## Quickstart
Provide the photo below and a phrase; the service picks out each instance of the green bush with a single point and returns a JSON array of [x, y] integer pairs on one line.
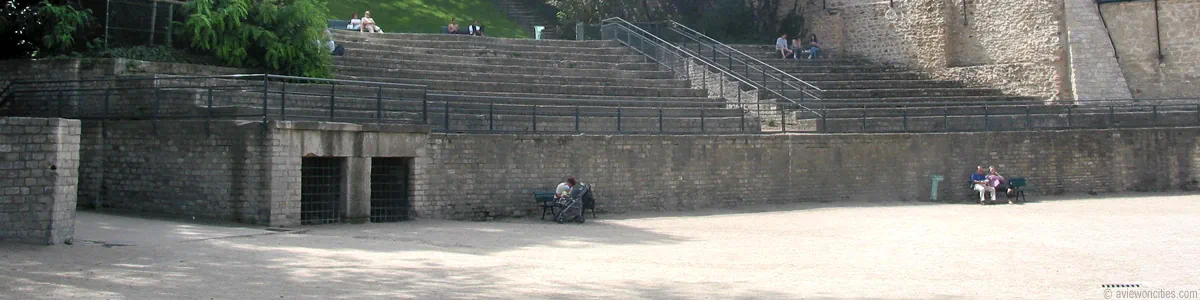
[[156, 53], [64, 27], [278, 35]]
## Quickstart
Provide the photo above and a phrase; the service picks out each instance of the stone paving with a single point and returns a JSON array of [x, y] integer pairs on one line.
[[1057, 248]]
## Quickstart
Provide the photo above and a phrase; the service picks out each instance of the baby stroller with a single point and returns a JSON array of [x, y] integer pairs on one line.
[[571, 208]]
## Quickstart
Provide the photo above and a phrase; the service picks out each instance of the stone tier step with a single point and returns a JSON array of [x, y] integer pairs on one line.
[[618, 58], [811, 77], [501, 61], [574, 97], [487, 86], [644, 71], [937, 101], [1010, 122], [462, 39], [884, 94], [886, 84], [416, 76], [465, 42]]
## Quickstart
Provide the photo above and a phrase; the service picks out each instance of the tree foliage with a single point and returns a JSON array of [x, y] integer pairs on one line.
[[726, 20], [64, 27], [280, 35], [39, 28]]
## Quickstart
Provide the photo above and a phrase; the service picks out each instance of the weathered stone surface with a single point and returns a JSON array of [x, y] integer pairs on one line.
[[1132, 25], [38, 176]]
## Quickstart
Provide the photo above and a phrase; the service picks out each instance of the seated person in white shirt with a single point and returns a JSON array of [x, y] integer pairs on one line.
[[564, 189], [355, 22], [475, 29]]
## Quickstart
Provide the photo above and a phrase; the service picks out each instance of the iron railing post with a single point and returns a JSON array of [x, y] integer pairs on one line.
[[1069, 110], [446, 115], [742, 126], [1197, 113], [945, 117], [535, 118], [1028, 118], [986, 116], [208, 113], [491, 114], [103, 121], [332, 101], [864, 118], [824, 124], [266, 86], [157, 104], [782, 118], [660, 119], [576, 118], [618, 119], [904, 110], [283, 101], [379, 105], [1112, 117], [701, 120], [1154, 109]]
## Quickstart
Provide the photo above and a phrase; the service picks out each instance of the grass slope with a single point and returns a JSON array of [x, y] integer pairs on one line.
[[428, 16]]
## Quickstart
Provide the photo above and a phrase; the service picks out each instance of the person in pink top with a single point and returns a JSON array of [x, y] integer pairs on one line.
[[995, 181]]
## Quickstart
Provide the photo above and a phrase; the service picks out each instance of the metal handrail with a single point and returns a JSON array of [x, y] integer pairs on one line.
[[763, 70], [4, 94], [616, 21], [773, 68]]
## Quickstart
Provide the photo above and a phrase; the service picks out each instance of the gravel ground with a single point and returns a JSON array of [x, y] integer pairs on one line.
[[1043, 250]]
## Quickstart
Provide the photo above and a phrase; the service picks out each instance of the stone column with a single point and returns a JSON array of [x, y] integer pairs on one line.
[[357, 198]]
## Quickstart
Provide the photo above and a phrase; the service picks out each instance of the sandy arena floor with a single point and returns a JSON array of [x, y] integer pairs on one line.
[[1042, 250]]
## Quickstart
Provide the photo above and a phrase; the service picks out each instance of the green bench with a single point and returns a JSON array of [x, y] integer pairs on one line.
[[545, 200]]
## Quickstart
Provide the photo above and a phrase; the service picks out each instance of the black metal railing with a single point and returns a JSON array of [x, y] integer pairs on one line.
[[5, 93], [735, 60], [270, 97], [680, 61]]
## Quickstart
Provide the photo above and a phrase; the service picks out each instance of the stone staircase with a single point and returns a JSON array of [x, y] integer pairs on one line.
[[527, 17], [500, 84], [854, 88]]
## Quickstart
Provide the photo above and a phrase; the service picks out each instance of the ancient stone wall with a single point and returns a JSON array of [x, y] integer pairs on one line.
[[1133, 24], [1013, 45], [39, 163], [638, 173], [1095, 73]]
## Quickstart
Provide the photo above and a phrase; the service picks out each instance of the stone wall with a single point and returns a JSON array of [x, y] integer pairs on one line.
[[637, 173], [39, 163], [1132, 25], [1013, 45], [1095, 73], [224, 170]]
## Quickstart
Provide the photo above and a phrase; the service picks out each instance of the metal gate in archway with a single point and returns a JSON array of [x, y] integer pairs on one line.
[[390, 189], [320, 190]]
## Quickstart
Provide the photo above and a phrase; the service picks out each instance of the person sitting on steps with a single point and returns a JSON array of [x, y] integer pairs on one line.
[[355, 23], [368, 24], [781, 44], [475, 29], [814, 47], [797, 48], [452, 28]]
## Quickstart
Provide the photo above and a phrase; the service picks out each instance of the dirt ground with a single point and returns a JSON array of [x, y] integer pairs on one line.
[[1052, 249]]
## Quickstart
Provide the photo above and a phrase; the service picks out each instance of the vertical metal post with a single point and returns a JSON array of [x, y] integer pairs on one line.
[[782, 119], [107, 16], [425, 111], [1157, 32], [208, 114], [446, 114], [1155, 111], [1069, 109], [61, 105], [742, 126], [986, 116], [824, 125], [266, 86], [945, 117], [379, 105], [576, 118], [535, 118], [332, 102], [283, 101], [491, 114], [660, 119], [1197, 113], [170, 17], [1112, 118], [157, 104], [103, 122], [1028, 118], [701, 120], [618, 119], [153, 20], [864, 118], [904, 110]]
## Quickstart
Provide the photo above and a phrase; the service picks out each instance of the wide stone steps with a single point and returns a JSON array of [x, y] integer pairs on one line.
[[485, 86], [610, 98], [810, 77], [886, 84], [1096, 118], [644, 71], [464, 42], [502, 61], [463, 39], [416, 76], [883, 94], [618, 58]]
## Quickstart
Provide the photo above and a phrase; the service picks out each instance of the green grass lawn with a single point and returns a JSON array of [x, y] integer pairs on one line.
[[428, 16]]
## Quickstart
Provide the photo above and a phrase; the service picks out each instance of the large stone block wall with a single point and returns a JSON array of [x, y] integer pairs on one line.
[[634, 173], [1013, 45], [1132, 25], [1095, 73], [39, 163]]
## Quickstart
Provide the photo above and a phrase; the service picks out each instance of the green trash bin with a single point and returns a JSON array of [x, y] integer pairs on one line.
[[933, 191], [537, 32]]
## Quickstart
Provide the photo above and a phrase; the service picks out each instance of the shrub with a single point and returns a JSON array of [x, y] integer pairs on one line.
[[279, 35]]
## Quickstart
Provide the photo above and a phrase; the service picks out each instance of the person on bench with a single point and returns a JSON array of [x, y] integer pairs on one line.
[[355, 23], [980, 180], [564, 189], [781, 44], [368, 24], [475, 29], [996, 182], [452, 28]]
